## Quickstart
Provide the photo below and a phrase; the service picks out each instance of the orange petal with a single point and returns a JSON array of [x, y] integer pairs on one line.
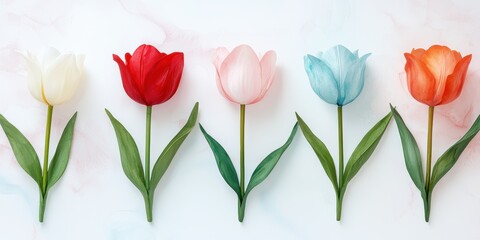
[[421, 82], [441, 61], [455, 81], [418, 53]]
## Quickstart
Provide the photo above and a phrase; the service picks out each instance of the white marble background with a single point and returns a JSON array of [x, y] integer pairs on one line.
[[94, 200]]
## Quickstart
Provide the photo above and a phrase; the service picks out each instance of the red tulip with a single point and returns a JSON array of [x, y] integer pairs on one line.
[[150, 77], [436, 76]]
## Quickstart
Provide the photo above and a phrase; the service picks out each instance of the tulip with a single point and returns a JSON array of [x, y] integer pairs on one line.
[[150, 77], [241, 77], [337, 76], [244, 79], [54, 80], [435, 77]]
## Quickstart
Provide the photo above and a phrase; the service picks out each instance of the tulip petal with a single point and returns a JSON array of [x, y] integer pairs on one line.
[[421, 83], [354, 81], [339, 59], [163, 79], [141, 62], [441, 61], [267, 65], [418, 53], [34, 76], [73, 77], [49, 54], [55, 78], [455, 81], [128, 83], [240, 75], [321, 79], [220, 55]]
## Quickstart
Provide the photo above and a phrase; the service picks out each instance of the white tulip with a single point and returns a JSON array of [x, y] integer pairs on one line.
[[55, 79]]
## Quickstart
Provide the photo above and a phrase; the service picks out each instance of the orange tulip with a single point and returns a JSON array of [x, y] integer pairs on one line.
[[436, 76]]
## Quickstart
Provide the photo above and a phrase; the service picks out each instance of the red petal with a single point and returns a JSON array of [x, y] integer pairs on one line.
[[128, 84], [163, 79], [421, 82], [455, 81]]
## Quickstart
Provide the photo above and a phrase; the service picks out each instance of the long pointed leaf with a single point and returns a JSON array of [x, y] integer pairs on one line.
[[266, 166], [171, 149], [411, 153], [321, 151], [129, 155], [62, 154], [364, 150], [450, 157], [224, 163], [23, 151]]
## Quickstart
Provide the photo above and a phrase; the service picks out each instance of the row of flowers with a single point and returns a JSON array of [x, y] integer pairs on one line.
[[434, 77]]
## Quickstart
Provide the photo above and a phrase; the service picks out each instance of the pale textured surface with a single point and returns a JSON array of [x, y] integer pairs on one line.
[[94, 200]]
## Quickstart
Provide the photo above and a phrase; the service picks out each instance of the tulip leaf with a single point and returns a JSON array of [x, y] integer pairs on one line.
[[411, 153], [60, 159], [266, 166], [224, 163], [23, 151], [321, 151], [450, 157], [364, 150], [129, 155], [171, 149]]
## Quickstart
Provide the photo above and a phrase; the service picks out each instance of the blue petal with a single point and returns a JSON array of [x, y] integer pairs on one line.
[[339, 59], [354, 81], [321, 79]]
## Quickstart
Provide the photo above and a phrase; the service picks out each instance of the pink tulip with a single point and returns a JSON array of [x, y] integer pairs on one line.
[[241, 77]]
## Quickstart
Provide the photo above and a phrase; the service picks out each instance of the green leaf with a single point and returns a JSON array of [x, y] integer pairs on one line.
[[266, 166], [60, 159], [131, 163], [411, 153], [171, 149], [23, 151], [450, 157], [224, 163], [321, 151], [364, 150]]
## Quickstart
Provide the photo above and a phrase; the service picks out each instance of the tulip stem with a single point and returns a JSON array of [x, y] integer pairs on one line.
[[340, 161], [242, 161], [429, 156], [45, 162], [147, 146]]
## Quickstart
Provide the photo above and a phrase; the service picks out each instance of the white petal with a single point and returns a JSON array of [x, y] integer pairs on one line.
[[34, 76], [55, 78]]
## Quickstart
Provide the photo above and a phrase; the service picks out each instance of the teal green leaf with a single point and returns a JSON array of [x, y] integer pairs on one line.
[[23, 151], [411, 153], [129, 156], [450, 157], [171, 149], [321, 151], [364, 150], [224, 163], [266, 166], [62, 154]]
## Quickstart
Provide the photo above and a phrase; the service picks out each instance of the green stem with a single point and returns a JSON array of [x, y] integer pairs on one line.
[[429, 162], [148, 207], [340, 161], [43, 190], [242, 163], [147, 145]]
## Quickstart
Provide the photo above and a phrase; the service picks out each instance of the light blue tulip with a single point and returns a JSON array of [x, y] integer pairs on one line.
[[337, 76]]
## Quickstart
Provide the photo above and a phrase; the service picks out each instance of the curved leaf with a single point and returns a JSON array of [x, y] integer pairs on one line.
[[224, 163], [321, 151], [364, 150], [266, 166], [60, 159], [23, 151], [450, 157], [131, 163], [171, 149], [411, 153]]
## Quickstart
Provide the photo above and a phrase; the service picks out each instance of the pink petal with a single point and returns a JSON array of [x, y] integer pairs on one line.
[[267, 65]]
